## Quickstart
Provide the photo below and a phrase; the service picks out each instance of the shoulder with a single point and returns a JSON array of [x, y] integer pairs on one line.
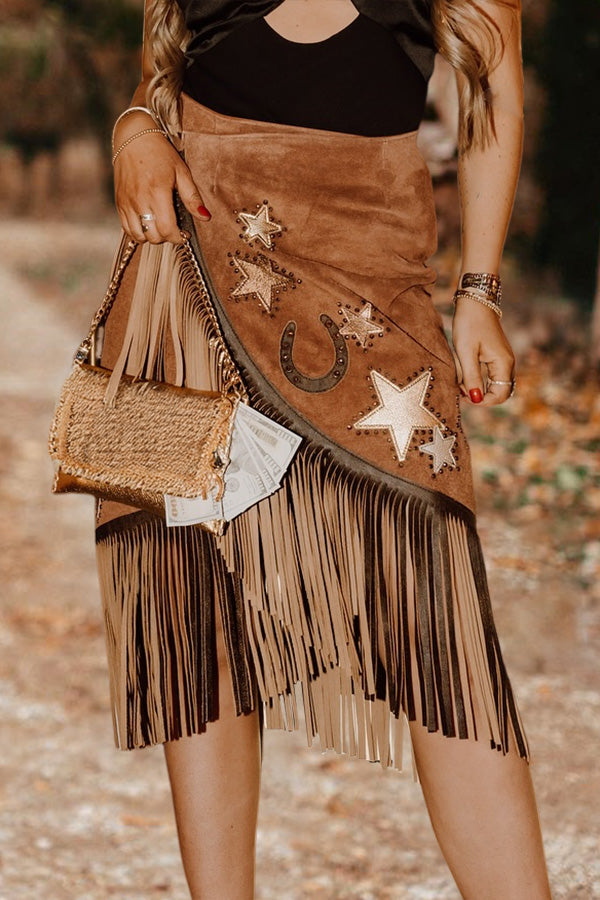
[[410, 22]]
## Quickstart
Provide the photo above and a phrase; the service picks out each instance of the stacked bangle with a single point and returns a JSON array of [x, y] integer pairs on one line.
[[483, 287], [127, 112], [489, 284], [135, 136]]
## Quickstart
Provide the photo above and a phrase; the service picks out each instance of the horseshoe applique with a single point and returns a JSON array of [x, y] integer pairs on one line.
[[305, 382]]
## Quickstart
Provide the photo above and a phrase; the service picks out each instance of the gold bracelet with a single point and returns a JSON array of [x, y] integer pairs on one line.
[[137, 135], [480, 298], [127, 112]]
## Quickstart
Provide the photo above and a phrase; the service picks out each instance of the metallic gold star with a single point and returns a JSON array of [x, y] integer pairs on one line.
[[260, 279], [401, 410], [360, 326], [440, 449], [260, 226]]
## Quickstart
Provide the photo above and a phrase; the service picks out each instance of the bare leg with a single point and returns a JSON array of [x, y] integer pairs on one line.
[[215, 782], [483, 811]]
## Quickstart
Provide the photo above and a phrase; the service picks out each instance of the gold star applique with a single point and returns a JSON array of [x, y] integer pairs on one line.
[[260, 226], [440, 449], [401, 410], [259, 278], [360, 326]]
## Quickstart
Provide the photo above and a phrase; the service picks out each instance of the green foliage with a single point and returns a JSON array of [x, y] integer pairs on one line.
[[105, 21]]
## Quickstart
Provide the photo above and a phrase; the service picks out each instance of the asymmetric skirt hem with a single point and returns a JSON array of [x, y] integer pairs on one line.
[[358, 588]]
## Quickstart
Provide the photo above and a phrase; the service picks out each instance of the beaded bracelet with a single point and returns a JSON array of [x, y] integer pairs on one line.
[[127, 112], [137, 135], [480, 298]]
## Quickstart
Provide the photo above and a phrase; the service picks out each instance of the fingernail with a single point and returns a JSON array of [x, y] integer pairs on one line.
[[476, 395], [203, 212]]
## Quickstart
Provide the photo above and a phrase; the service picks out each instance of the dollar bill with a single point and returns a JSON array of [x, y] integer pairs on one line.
[[261, 451]]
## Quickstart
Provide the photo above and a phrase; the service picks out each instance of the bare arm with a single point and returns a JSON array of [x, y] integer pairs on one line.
[[149, 169], [487, 182]]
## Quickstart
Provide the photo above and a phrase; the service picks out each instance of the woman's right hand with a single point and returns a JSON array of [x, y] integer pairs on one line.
[[147, 171]]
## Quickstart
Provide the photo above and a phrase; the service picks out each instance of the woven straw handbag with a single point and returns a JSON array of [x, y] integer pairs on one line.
[[133, 440]]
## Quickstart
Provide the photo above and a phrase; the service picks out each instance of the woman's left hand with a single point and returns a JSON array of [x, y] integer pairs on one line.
[[478, 338]]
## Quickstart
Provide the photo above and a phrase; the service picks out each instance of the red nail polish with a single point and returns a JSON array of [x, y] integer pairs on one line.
[[202, 211], [476, 395]]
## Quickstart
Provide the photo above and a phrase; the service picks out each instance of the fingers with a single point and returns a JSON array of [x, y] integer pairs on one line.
[[163, 226], [155, 221], [500, 382], [496, 388], [190, 195], [472, 381], [132, 225]]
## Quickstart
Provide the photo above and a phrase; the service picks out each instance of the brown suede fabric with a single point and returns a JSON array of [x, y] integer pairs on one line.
[[358, 227]]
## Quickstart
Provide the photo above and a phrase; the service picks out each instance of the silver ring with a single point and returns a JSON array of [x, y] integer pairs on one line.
[[147, 217], [512, 383]]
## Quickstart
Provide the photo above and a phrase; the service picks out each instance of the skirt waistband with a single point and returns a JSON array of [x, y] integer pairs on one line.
[[197, 117]]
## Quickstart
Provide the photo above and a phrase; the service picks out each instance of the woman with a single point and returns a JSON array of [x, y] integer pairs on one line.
[[361, 579]]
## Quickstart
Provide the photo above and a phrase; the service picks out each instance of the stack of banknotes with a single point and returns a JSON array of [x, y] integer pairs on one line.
[[261, 451]]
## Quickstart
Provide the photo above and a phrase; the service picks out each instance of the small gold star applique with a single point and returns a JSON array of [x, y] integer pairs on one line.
[[440, 450], [259, 225], [401, 410], [360, 326], [259, 278]]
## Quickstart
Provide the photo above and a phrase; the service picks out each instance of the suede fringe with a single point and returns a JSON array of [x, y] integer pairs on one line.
[[374, 603], [377, 604], [158, 588], [368, 600], [169, 336]]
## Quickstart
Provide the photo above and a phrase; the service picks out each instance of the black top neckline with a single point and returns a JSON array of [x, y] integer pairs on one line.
[[342, 33], [409, 21], [356, 81]]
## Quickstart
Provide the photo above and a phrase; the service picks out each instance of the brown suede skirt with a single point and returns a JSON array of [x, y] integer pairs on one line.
[[359, 586]]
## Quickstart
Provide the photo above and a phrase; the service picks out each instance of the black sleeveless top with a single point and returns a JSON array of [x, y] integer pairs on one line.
[[370, 78]]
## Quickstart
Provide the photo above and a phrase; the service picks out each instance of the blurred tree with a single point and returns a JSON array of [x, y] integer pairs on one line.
[[67, 67], [566, 55]]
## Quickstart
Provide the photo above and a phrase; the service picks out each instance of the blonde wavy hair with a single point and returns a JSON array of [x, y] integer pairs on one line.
[[452, 21]]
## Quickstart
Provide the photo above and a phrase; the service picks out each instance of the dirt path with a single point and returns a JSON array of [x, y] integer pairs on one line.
[[82, 821]]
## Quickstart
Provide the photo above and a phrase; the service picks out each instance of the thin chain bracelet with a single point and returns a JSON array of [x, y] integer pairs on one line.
[[480, 299], [137, 135]]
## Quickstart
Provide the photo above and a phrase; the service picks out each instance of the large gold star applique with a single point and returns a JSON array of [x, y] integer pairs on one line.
[[401, 410], [258, 225], [360, 326], [259, 278], [440, 450]]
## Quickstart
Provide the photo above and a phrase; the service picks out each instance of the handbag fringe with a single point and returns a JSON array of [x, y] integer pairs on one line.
[[368, 598], [169, 335]]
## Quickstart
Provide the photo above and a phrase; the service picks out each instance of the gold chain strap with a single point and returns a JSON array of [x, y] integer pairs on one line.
[[105, 307], [232, 380]]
